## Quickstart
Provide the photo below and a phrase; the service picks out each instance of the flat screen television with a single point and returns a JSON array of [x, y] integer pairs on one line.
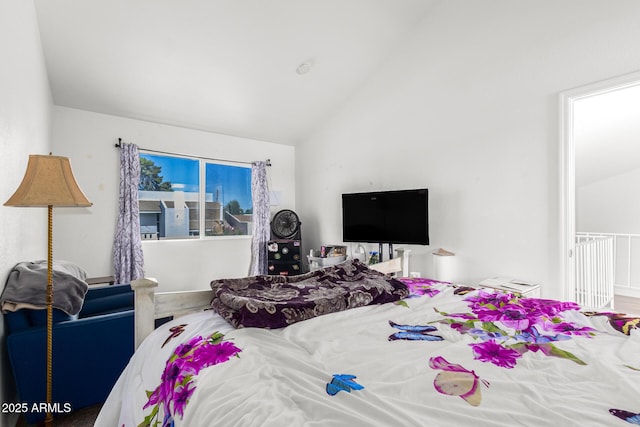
[[400, 216]]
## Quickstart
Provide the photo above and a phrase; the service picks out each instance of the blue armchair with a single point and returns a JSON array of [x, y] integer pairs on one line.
[[90, 350]]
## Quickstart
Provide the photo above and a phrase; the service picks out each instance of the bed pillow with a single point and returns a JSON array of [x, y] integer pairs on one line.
[[278, 301]]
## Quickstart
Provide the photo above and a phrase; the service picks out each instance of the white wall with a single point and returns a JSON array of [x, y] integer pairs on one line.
[[468, 107], [25, 123], [607, 157], [86, 235], [610, 205]]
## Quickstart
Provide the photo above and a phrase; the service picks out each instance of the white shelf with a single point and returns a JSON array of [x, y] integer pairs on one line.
[[316, 263], [519, 287]]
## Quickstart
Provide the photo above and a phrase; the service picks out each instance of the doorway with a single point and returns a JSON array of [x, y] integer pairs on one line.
[[569, 103]]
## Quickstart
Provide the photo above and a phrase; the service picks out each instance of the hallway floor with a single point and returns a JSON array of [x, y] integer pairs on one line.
[[627, 305]]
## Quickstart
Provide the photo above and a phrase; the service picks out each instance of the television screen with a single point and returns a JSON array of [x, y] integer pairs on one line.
[[386, 217]]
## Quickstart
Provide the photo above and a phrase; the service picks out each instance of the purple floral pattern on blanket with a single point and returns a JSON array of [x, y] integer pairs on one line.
[[170, 398], [506, 327], [278, 301], [419, 286]]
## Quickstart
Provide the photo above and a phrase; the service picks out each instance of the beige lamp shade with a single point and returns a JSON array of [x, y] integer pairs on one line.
[[48, 181]]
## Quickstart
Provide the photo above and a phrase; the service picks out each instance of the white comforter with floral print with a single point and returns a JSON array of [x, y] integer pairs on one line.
[[447, 356]]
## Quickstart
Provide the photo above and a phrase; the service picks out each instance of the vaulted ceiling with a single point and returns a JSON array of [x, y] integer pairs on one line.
[[226, 66], [607, 135]]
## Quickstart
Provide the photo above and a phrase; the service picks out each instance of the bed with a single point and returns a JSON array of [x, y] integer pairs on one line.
[[439, 354]]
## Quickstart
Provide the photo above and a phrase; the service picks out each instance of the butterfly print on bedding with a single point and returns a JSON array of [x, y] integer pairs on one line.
[[462, 290], [342, 382], [455, 380], [414, 332], [630, 417], [619, 321], [175, 331]]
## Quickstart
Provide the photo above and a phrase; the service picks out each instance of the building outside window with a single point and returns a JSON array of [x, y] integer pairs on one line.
[[176, 192]]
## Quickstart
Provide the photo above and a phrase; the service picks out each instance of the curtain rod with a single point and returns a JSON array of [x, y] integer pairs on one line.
[[119, 144]]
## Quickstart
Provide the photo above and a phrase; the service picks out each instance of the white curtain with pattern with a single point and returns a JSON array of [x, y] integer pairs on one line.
[[128, 260], [260, 196]]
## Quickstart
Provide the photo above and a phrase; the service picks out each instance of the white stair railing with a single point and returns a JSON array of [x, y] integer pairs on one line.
[[626, 263], [595, 271]]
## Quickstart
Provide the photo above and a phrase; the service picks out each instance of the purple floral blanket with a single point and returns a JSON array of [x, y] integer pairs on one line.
[[446, 355], [277, 301]]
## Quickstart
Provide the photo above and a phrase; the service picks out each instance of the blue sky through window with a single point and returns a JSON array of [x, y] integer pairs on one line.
[[177, 170], [231, 182]]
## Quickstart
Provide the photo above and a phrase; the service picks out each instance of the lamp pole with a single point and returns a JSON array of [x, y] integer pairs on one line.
[[48, 420]]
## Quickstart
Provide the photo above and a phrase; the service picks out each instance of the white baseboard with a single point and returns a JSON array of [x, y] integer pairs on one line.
[[626, 291]]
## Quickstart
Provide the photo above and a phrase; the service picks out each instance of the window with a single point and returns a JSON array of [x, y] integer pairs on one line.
[[229, 207], [176, 192]]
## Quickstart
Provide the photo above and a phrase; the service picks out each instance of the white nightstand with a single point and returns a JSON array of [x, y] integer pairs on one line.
[[515, 286]]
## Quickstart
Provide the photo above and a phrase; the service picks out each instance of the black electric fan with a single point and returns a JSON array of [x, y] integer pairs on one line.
[[286, 225]]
